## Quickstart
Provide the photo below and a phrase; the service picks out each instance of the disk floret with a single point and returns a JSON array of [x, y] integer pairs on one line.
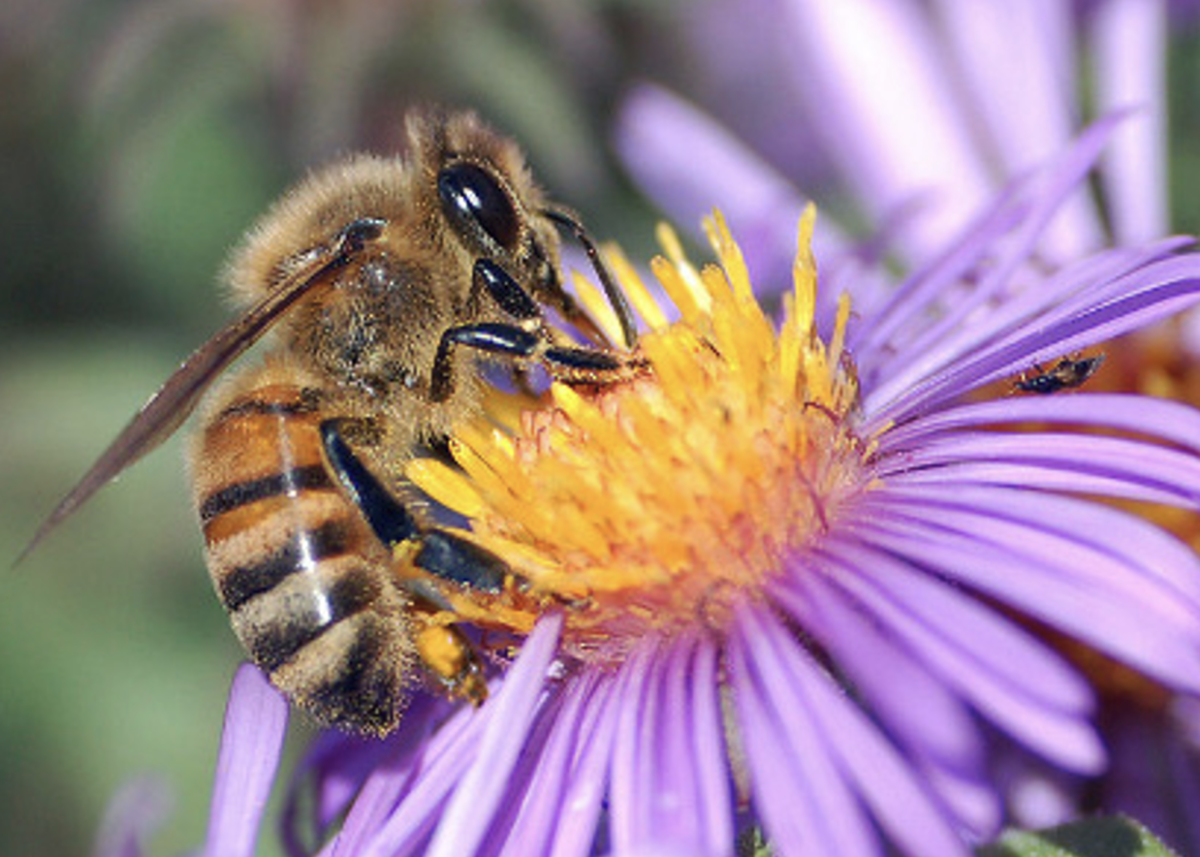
[[656, 505]]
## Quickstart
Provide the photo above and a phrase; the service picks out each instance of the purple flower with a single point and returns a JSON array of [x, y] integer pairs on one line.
[[786, 579], [912, 113], [133, 814], [915, 111]]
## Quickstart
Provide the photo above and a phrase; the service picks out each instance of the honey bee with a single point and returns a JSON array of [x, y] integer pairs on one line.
[[1067, 373], [388, 281]]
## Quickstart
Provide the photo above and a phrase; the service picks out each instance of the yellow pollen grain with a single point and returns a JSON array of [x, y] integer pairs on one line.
[[804, 270], [600, 429], [732, 260], [507, 409], [480, 434], [482, 470], [837, 342], [678, 291], [676, 360], [790, 348]]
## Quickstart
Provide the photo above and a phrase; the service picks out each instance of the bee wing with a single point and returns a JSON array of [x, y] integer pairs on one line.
[[167, 409]]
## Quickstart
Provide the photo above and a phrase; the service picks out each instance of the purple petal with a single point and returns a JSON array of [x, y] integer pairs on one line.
[[761, 206], [1129, 42], [1160, 418], [1036, 199], [586, 787], [879, 65], [1040, 475], [969, 347], [630, 769], [255, 724], [707, 731], [1044, 708], [660, 796], [958, 634], [1158, 468], [1155, 292], [337, 765], [927, 719], [536, 818], [520, 779], [1122, 551], [1017, 61], [929, 284], [509, 715], [884, 782], [1029, 577], [402, 800], [805, 803], [137, 809], [1019, 66], [999, 243]]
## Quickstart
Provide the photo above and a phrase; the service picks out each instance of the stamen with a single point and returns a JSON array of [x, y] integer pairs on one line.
[[658, 504]]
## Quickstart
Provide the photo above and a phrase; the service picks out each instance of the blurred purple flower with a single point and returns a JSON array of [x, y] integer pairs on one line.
[[839, 655], [919, 111], [133, 814], [1163, 745]]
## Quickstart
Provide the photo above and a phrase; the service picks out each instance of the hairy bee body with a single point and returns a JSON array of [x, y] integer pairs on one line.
[[302, 575], [387, 281]]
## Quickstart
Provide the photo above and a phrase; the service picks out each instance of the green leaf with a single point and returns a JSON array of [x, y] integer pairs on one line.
[[1116, 836]]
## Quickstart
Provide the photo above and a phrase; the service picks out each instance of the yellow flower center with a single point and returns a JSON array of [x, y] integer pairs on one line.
[[654, 505]]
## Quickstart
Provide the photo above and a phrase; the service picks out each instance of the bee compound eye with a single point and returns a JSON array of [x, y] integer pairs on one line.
[[471, 195]]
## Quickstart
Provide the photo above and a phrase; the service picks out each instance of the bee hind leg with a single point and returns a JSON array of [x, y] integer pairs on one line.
[[387, 516], [437, 551], [451, 660], [447, 654]]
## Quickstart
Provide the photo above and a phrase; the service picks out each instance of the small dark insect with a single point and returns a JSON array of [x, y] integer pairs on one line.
[[1066, 374]]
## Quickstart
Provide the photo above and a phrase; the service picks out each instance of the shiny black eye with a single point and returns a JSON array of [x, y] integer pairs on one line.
[[472, 198]]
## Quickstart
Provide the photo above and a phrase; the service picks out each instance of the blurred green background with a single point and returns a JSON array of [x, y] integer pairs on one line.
[[137, 141]]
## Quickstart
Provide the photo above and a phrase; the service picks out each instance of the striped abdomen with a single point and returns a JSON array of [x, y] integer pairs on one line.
[[304, 579]]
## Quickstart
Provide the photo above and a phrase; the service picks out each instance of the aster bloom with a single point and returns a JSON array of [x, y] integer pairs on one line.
[[937, 105], [786, 576]]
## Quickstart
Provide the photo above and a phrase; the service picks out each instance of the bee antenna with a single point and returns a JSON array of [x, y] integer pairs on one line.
[[616, 297]]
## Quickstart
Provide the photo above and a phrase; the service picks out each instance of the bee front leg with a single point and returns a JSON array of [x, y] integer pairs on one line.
[[584, 365], [509, 295]]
